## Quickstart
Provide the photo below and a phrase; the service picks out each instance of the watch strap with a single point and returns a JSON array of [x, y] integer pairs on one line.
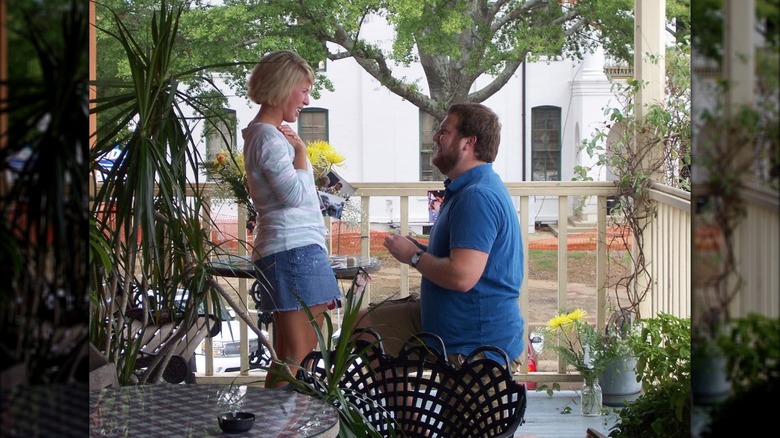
[[416, 258]]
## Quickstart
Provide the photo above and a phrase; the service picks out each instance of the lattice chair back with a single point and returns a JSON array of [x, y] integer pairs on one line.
[[421, 394]]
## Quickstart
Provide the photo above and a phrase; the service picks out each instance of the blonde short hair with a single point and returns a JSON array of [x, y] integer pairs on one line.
[[274, 77]]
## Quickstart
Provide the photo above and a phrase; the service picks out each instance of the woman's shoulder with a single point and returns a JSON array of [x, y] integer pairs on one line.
[[260, 129], [262, 134]]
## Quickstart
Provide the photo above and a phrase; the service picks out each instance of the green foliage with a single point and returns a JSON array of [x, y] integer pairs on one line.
[[708, 16], [753, 350], [663, 352], [456, 42], [641, 148], [43, 205], [146, 209], [652, 415]]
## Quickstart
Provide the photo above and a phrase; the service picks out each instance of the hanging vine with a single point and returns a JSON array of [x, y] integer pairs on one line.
[[639, 152]]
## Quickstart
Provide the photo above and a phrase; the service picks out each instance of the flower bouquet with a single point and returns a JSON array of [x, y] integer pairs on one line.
[[323, 157], [227, 169], [332, 189]]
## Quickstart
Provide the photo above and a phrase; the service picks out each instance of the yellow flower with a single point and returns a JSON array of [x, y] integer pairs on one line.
[[577, 315], [559, 321], [323, 156]]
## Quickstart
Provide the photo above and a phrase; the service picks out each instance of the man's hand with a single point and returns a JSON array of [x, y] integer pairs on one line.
[[401, 247]]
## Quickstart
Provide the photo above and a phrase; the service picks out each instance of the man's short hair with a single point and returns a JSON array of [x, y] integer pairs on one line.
[[480, 121]]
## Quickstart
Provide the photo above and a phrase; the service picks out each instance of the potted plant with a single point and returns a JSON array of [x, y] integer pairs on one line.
[[640, 147], [720, 212], [663, 351], [753, 368], [146, 230], [620, 382]]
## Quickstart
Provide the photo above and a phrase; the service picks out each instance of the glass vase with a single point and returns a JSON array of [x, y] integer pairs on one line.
[[590, 398]]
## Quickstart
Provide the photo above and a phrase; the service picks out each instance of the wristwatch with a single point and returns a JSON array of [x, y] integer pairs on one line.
[[416, 258]]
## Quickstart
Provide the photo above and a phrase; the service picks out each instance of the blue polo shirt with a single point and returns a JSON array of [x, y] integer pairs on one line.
[[477, 213]]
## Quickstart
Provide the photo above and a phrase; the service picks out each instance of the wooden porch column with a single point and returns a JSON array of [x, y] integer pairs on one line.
[[739, 66], [649, 52], [739, 72], [739, 62], [649, 70]]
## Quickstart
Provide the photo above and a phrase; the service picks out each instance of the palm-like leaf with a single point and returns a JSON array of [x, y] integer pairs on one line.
[[43, 252], [147, 209]]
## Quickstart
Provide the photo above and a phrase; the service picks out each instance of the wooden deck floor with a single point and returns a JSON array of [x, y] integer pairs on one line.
[[544, 417]]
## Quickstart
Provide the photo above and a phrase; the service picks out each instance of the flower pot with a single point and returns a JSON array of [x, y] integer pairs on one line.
[[618, 382], [709, 379]]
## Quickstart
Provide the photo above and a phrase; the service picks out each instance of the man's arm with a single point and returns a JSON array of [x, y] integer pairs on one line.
[[460, 271]]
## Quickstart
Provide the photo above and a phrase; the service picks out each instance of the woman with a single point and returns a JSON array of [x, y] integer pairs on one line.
[[289, 246]]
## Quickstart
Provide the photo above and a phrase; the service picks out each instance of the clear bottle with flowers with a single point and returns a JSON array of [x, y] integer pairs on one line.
[[580, 345]]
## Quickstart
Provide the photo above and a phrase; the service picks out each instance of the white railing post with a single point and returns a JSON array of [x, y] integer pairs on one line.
[[365, 241], [243, 294]]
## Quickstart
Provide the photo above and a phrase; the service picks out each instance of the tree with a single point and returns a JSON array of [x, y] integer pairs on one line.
[[455, 41]]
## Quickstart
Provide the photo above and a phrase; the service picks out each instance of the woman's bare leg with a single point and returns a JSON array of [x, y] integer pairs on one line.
[[294, 338]]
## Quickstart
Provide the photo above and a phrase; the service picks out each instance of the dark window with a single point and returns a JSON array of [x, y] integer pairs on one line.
[[546, 143], [313, 124], [428, 126]]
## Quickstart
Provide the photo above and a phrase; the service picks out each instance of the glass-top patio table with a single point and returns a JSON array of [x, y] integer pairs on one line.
[[229, 265], [192, 411], [53, 410]]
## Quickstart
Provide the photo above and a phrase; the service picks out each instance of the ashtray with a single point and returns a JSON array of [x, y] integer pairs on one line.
[[236, 422]]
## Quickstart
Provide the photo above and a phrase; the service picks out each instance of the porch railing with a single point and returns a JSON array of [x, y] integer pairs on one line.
[[758, 253], [668, 241]]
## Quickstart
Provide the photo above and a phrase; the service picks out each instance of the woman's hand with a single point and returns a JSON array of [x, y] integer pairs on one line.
[[292, 136], [301, 159]]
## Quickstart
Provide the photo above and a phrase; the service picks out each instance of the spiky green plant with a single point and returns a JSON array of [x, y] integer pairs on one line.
[[148, 210], [43, 212]]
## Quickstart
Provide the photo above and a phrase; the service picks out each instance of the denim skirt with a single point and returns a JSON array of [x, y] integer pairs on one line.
[[302, 273]]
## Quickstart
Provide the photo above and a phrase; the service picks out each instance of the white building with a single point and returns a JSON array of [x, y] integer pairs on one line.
[[546, 109]]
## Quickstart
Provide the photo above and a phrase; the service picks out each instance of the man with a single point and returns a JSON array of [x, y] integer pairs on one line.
[[472, 268]]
